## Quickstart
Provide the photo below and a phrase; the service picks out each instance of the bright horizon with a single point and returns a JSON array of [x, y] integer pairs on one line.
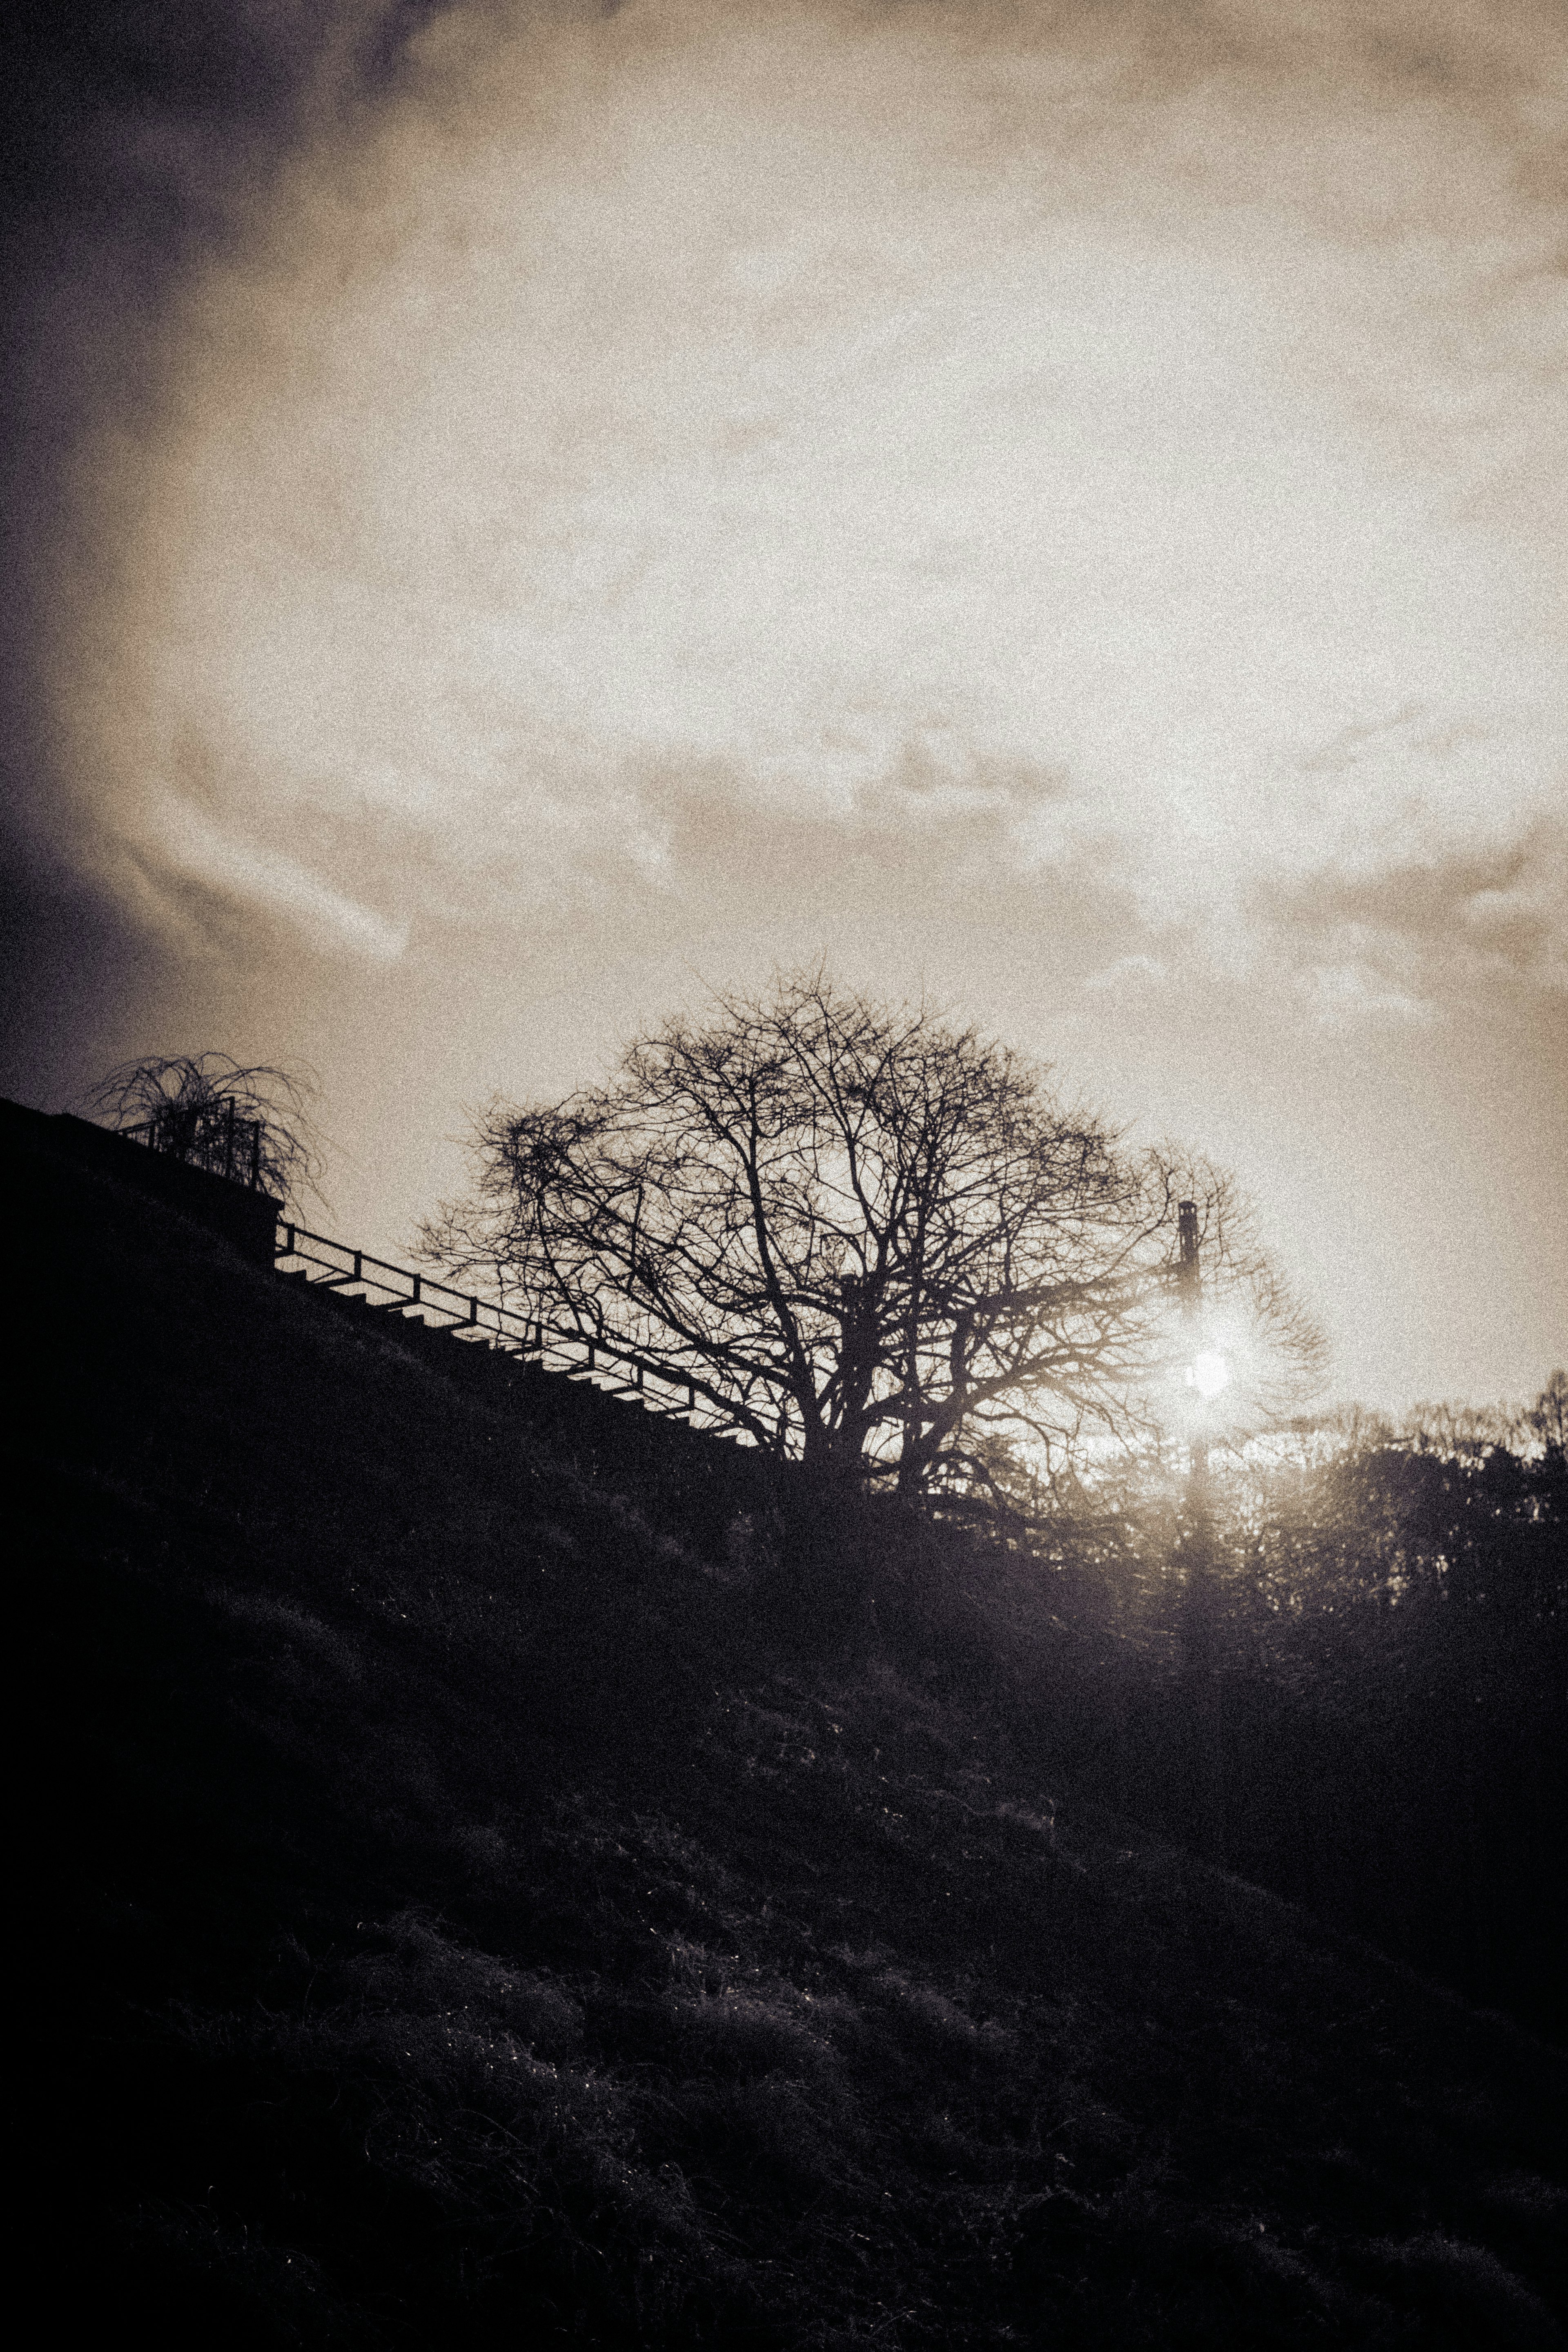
[[530, 519]]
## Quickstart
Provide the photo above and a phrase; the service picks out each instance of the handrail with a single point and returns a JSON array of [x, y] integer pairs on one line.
[[446, 1307], [215, 1158]]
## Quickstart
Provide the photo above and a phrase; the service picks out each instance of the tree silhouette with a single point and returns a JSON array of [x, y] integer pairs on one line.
[[864, 1237], [1547, 1418], [252, 1124]]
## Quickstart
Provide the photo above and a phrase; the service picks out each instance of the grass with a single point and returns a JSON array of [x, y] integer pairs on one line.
[[479, 1914]]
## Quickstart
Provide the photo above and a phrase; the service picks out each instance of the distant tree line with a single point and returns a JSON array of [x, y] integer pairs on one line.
[[1391, 1655]]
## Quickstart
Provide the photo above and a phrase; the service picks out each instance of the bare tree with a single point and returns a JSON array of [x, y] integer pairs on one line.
[[863, 1236], [251, 1124]]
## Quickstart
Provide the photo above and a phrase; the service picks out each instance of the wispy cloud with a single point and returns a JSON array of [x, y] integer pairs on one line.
[[1409, 936], [189, 846]]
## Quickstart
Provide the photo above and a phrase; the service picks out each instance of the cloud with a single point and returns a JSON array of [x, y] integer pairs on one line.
[[1116, 443], [1405, 938], [190, 847]]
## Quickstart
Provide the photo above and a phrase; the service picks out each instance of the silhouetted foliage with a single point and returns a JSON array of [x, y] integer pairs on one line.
[[1547, 1419], [253, 1123], [1389, 1619], [866, 1238]]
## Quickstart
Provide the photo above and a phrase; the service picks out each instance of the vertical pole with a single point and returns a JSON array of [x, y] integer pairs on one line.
[[1199, 1665]]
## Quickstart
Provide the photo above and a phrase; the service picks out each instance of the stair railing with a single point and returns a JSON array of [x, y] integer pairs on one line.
[[613, 1366]]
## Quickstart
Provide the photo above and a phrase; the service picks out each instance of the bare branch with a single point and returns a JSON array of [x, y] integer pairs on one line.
[[190, 1106], [867, 1236]]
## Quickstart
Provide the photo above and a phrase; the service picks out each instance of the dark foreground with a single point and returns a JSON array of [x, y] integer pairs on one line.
[[479, 1914]]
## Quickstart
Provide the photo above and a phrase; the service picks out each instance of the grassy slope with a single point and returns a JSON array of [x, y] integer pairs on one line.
[[467, 1930]]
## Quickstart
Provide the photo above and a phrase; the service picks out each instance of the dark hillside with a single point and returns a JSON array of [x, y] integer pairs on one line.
[[479, 1914]]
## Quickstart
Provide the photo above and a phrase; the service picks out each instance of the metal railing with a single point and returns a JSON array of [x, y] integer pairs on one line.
[[614, 1367], [224, 1145]]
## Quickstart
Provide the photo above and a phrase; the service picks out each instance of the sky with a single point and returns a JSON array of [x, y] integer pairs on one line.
[[522, 517]]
